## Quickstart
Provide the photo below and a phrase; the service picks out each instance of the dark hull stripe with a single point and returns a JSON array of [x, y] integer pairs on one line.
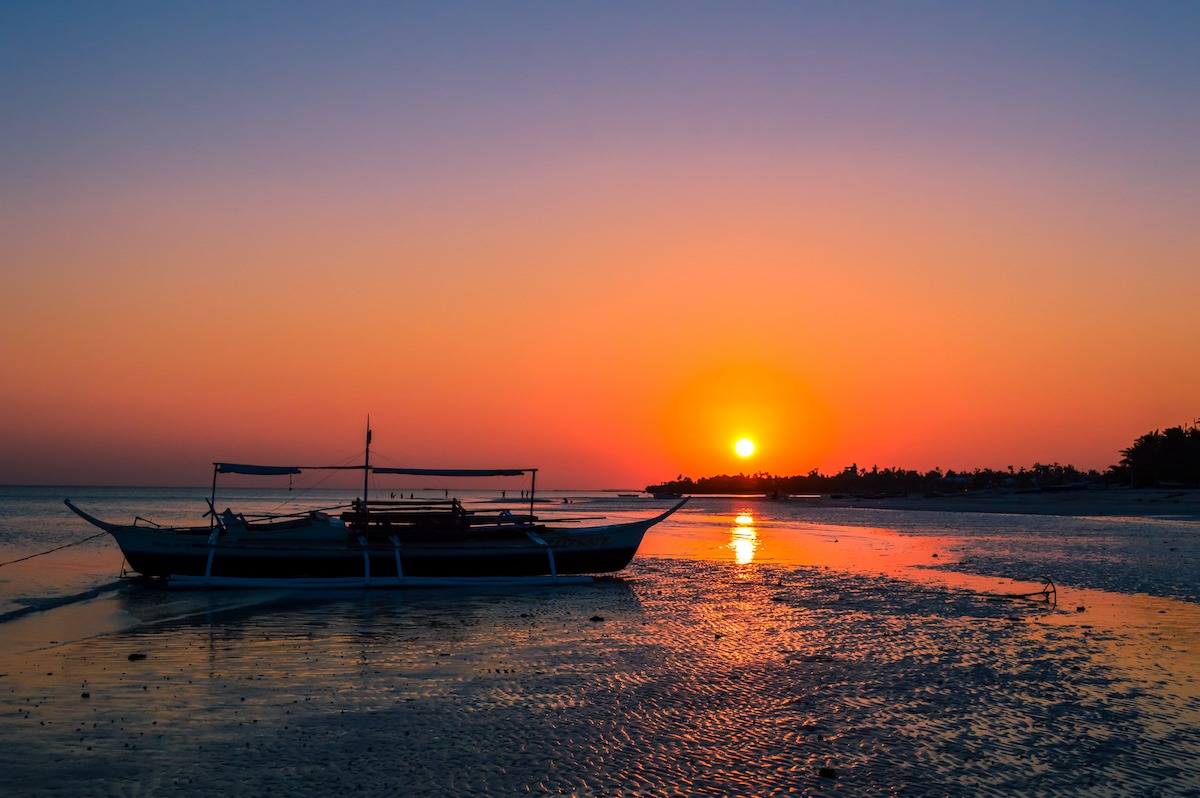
[[351, 564]]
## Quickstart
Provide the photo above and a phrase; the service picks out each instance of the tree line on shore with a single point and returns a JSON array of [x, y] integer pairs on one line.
[[1170, 458]]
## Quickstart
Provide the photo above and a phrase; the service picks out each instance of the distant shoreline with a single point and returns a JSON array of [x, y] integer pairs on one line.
[[1112, 502], [1175, 503]]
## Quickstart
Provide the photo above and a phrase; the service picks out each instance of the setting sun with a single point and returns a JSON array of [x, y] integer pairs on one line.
[[744, 447]]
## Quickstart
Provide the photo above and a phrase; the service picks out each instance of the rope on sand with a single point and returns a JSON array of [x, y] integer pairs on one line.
[[1048, 594], [56, 548]]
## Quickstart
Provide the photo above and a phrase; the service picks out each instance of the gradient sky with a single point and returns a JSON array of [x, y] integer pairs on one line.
[[606, 239]]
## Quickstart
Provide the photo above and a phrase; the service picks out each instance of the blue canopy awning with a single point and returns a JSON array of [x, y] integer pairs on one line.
[[266, 471], [456, 472], [257, 470]]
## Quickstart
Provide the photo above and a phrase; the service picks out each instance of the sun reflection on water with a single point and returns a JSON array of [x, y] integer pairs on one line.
[[743, 538]]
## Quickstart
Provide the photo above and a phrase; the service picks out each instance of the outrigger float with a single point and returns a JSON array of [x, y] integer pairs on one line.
[[374, 543]]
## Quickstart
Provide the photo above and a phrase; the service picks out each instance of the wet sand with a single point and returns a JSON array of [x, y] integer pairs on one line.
[[1112, 502], [683, 677]]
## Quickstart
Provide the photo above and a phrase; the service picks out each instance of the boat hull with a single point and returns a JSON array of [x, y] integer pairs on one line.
[[324, 549], [318, 562]]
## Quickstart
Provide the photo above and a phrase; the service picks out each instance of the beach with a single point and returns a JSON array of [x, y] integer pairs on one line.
[[1123, 502], [753, 648]]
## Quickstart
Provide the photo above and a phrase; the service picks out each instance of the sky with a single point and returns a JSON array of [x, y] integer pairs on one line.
[[605, 239]]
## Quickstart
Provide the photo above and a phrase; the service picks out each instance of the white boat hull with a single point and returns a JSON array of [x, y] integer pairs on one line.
[[324, 550]]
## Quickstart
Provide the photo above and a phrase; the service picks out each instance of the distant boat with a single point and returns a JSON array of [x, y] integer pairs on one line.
[[629, 495], [664, 495], [374, 543]]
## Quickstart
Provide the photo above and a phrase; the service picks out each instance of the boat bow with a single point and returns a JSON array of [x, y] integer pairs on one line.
[[91, 519]]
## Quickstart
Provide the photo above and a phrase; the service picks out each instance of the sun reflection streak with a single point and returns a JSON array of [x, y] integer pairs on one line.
[[743, 538]]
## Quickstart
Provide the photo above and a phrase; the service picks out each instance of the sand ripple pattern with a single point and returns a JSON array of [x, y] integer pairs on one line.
[[682, 679]]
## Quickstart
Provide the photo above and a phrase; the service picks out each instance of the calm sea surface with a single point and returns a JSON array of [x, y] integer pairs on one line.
[[1121, 555]]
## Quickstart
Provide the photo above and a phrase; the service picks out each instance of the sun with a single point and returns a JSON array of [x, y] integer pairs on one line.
[[744, 447]]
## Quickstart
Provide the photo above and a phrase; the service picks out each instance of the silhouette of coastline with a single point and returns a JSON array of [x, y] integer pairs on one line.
[[1168, 459]]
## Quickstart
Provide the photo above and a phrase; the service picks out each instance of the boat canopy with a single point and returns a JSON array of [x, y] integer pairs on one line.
[[267, 471], [367, 469], [258, 470], [456, 472]]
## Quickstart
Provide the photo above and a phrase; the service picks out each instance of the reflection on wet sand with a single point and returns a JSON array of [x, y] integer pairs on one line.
[[743, 538], [686, 677], [745, 535]]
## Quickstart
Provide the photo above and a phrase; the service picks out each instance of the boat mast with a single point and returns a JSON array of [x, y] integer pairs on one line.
[[367, 465], [212, 501]]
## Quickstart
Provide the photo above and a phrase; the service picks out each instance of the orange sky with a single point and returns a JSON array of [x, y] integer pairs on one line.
[[604, 244]]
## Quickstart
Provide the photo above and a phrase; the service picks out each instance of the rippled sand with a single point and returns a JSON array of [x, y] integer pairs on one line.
[[683, 678]]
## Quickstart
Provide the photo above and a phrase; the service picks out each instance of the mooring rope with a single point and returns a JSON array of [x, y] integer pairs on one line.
[[1048, 593], [56, 548]]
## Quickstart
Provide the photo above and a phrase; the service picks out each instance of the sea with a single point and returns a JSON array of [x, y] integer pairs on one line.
[[753, 647], [51, 555]]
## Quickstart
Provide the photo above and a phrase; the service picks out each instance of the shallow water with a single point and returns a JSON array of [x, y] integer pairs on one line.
[[749, 646]]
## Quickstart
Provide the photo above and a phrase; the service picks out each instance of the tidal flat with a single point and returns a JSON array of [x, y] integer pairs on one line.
[[752, 649]]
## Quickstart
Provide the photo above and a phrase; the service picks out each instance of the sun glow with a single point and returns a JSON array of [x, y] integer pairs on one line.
[[704, 416], [744, 447]]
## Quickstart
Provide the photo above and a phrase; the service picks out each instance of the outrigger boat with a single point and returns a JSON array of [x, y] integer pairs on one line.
[[374, 543]]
